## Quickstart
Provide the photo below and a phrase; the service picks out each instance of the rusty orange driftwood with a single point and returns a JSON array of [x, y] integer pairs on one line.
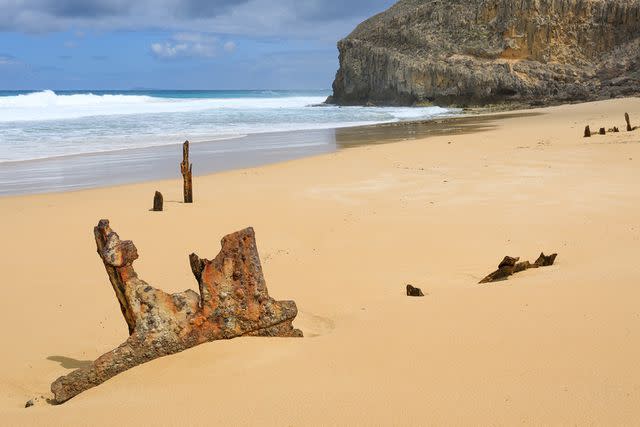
[[233, 301]]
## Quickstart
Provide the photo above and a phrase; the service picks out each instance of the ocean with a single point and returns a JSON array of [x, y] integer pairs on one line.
[[46, 124]]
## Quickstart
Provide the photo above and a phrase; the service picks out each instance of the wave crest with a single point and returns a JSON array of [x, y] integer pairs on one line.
[[47, 105]]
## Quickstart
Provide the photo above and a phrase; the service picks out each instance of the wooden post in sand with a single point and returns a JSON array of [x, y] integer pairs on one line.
[[158, 201], [602, 131], [587, 132], [185, 168], [626, 118]]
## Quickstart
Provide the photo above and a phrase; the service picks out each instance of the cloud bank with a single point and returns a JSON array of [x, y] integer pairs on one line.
[[247, 17]]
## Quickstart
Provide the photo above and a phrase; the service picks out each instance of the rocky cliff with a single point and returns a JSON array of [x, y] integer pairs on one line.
[[479, 52]]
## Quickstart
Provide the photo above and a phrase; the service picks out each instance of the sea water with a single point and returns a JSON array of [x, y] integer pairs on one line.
[[50, 124]]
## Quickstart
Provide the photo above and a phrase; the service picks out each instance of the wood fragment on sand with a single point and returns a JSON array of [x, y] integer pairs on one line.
[[414, 292], [158, 202], [186, 169], [510, 266]]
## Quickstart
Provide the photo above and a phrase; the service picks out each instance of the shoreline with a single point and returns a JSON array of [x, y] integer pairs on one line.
[[139, 165]]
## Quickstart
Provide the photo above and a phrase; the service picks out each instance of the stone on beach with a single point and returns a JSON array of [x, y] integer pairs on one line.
[[414, 292]]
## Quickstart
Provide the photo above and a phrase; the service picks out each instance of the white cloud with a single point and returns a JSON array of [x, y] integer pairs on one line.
[[316, 18], [230, 47], [190, 45], [168, 50], [7, 60]]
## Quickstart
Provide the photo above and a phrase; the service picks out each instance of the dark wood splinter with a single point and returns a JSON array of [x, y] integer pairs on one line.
[[626, 118], [158, 202], [186, 169], [510, 266]]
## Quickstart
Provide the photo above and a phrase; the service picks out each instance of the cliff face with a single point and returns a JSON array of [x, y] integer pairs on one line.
[[476, 52]]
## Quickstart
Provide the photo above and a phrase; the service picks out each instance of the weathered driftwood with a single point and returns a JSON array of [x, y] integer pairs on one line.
[[626, 118], [233, 301], [614, 129], [186, 170], [414, 292], [510, 265], [587, 132], [602, 131], [158, 201]]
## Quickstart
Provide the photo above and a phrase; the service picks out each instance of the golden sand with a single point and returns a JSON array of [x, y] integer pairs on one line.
[[342, 234]]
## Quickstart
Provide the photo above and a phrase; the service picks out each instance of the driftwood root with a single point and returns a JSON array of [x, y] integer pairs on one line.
[[233, 302]]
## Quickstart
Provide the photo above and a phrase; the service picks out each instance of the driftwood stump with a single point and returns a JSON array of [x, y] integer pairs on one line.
[[602, 131], [587, 132], [158, 201], [510, 265], [186, 169], [233, 302], [626, 118]]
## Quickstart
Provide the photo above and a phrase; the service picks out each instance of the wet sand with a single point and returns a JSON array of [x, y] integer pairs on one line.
[[153, 163]]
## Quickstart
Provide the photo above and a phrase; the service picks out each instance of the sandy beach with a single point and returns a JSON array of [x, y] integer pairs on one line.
[[342, 234]]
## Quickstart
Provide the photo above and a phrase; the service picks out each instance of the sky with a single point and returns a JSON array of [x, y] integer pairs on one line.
[[175, 44]]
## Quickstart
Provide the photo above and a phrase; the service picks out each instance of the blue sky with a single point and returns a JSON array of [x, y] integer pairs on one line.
[[175, 44]]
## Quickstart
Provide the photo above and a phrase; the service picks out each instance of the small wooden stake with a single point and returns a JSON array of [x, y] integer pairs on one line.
[[602, 131], [626, 117], [587, 132], [186, 168], [157, 202]]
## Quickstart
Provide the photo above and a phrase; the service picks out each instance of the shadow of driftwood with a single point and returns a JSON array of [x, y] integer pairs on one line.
[[69, 363]]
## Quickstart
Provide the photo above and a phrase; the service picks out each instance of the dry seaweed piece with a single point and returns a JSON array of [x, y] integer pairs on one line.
[[510, 266], [233, 302]]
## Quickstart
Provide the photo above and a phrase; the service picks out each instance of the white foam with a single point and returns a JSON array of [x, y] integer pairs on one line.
[[45, 124], [47, 105], [417, 113]]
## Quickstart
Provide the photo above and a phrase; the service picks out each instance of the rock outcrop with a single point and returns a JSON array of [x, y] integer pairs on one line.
[[233, 301], [479, 52]]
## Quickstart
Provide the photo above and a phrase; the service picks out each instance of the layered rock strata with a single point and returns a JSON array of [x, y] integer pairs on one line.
[[479, 52]]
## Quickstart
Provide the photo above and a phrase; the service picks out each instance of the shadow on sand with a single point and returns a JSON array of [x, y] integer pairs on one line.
[[69, 363]]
